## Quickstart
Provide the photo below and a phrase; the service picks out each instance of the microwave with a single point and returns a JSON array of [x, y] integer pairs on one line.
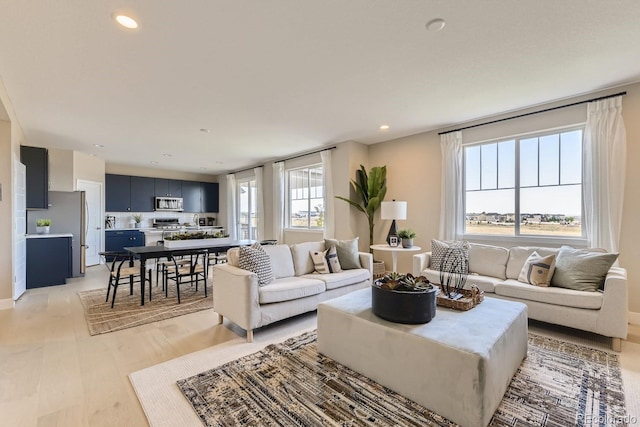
[[174, 204]]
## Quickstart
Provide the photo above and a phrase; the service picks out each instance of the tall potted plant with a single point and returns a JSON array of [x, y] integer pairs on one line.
[[370, 189]]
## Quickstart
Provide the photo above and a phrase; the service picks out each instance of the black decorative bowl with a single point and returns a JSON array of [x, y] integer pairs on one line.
[[404, 306]]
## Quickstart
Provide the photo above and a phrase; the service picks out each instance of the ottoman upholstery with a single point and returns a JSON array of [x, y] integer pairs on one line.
[[459, 365]]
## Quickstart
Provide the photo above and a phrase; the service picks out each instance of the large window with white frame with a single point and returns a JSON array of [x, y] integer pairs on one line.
[[247, 209], [305, 204], [530, 185]]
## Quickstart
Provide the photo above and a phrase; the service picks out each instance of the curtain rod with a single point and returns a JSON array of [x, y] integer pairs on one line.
[[288, 158], [305, 154], [247, 169], [534, 112]]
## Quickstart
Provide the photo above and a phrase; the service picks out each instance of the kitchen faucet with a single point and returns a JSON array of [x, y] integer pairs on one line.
[[196, 220]]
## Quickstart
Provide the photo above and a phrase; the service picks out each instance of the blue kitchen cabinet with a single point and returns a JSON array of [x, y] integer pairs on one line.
[[210, 196], [142, 194], [48, 261], [191, 196], [118, 193], [117, 240]]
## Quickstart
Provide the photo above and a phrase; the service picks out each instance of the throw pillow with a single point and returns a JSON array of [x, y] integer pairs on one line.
[[319, 262], [331, 255], [347, 252], [581, 270], [450, 256], [538, 270], [255, 259]]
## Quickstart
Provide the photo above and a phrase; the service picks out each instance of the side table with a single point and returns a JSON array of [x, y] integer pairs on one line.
[[394, 252]]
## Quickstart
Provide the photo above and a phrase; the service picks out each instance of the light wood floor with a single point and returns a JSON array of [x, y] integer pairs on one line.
[[53, 373]]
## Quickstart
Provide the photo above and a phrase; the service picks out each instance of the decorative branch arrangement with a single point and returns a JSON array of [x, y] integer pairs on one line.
[[453, 272]]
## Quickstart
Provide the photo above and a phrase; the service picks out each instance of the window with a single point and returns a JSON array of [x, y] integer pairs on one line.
[[247, 217], [305, 207], [531, 185]]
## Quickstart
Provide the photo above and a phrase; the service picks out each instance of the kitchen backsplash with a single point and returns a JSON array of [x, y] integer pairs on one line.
[[125, 219]]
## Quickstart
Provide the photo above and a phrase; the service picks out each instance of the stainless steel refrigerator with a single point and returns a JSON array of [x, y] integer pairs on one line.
[[68, 214]]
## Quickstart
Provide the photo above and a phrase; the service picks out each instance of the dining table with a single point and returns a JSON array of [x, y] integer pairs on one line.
[[160, 251]]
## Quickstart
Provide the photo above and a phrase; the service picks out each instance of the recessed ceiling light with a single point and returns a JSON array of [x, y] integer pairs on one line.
[[98, 145], [153, 162], [205, 130], [435, 25], [384, 127], [203, 168], [219, 162], [167, 155], [92, 155], [126, 21]]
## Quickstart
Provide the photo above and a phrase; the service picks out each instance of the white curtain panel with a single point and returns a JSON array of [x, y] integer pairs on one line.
[[451, 206], [259, 203], [327, 173], [232, 217], [278, 201], [605, 147]]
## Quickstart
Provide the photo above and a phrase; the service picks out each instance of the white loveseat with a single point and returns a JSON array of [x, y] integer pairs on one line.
[[495, 270], [295, 290]]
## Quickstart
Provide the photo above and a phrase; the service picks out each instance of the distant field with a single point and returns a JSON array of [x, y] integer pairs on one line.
[[536, 229]]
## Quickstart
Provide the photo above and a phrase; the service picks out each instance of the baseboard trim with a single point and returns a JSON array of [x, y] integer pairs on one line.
[[6, 304], [634, 318]]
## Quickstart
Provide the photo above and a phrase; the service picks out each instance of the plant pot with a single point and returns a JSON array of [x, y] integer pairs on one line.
[[404, 306], [407, 243], [137, 225], [42, 230]]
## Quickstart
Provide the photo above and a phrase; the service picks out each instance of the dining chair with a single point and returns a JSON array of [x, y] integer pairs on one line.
[[122, 267], [197, 268]]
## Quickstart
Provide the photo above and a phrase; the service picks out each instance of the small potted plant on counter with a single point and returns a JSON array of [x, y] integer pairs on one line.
[[137, 218], [404, 298], [407, 236], [42, 225]]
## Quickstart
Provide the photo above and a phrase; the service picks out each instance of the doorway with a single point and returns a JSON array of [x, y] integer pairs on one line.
[[94, 231]]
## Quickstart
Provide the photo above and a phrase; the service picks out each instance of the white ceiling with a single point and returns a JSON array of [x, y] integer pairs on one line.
[[274, 77]]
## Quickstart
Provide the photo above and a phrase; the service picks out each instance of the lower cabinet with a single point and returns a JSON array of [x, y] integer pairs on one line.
[[48, 261], [117, 240]]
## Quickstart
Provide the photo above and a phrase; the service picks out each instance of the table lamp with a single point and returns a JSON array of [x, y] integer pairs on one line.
[[393, 210]]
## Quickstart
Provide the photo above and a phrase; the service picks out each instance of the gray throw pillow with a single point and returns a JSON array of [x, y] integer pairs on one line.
[[581, 270], [347, 252], [450, 256], [255, 259]]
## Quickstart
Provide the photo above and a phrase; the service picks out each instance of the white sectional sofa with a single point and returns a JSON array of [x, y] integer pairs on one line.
[[495, 270], [295, 290]]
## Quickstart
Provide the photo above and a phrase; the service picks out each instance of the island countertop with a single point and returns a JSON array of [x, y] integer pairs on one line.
[[48, 236]]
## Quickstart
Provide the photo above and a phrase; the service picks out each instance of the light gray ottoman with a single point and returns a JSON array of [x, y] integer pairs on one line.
[[459, 365]]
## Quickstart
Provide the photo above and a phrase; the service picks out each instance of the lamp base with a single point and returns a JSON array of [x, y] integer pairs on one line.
[[393, 231]]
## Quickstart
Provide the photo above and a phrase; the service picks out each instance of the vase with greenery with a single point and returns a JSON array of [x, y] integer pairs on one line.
[[370, 189], [407, 236], [137, 218], [42, 225]]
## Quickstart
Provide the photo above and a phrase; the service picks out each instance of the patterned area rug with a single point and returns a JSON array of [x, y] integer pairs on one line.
[[558, 384], [127, 311]]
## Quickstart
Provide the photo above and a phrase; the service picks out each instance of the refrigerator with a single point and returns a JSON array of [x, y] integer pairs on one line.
[[68, 214]]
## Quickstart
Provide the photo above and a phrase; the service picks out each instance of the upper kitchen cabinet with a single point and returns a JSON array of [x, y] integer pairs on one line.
[[118, 193], [142, 194], [168, 187], [191, 198], [210, 194], [36, 160]]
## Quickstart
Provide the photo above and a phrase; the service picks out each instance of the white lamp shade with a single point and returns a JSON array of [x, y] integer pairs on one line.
[[393, 210]]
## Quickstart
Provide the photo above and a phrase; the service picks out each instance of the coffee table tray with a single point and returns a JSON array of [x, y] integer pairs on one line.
[[470, 298]]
